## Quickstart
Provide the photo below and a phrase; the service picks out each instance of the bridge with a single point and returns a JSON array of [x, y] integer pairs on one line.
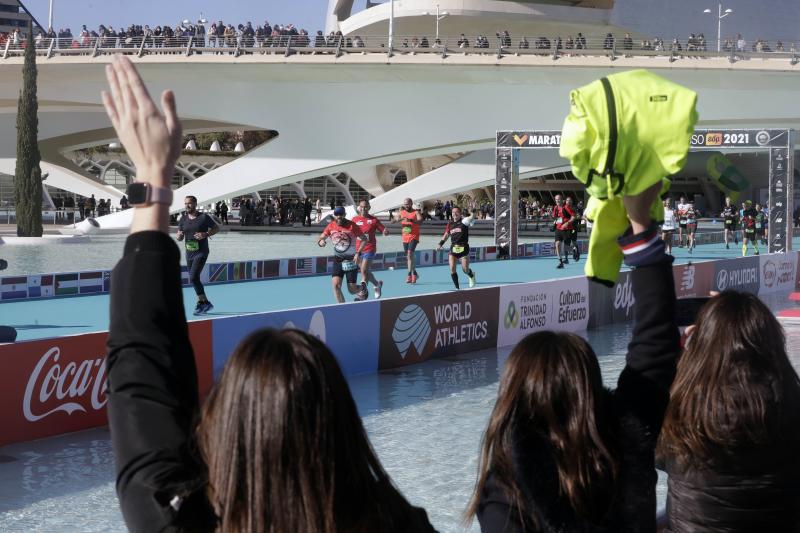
[[344, 109]]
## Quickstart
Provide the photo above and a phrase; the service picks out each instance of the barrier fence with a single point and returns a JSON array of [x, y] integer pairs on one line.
[[55, 386], [68, 284], [499, 45]]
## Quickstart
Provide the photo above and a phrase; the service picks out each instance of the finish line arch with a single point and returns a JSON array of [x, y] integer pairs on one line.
[[778, 142]]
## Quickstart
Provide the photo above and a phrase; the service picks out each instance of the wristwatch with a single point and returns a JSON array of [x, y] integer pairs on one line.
[[141, 193]]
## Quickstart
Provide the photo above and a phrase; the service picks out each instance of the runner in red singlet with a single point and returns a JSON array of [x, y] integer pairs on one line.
[[368, 225]]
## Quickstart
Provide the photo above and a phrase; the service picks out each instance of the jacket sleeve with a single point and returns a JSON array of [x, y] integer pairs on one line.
[[655, 346], [152, 392], [495, 513]]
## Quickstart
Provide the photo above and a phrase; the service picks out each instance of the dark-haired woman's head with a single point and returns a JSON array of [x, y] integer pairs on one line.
[[731, 384], [283, 441], [551, 385]]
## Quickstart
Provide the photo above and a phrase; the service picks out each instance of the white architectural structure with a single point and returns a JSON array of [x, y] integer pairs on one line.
[[358, 112]]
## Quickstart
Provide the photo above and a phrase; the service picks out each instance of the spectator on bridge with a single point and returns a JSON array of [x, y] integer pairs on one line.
[[463, 42], [741, 44], [627, 42], [423, 43], [608, 42]]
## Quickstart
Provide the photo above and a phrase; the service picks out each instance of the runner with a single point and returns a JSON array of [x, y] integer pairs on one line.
[[730, 217], [761, 224], [368, 225], [563, 217], [196, 228], [749, 216], [458, 233], [741, 218], [410, 220], [668, 227], [681, 209], [578, 210], [691, 225], [343, 233]]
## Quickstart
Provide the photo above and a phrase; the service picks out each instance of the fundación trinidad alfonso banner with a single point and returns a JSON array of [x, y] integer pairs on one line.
[[56, 386], [416, 329], [523, 309]]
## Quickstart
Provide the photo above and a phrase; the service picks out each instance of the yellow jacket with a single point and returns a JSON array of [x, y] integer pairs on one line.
[[624, 133]]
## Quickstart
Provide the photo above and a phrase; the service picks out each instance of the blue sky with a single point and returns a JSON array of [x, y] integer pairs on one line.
[[308, 14]]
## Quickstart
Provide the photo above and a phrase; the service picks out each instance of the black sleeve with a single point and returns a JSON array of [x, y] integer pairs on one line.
[[495, 514], [653, 351], [210, 223], [153, 392]]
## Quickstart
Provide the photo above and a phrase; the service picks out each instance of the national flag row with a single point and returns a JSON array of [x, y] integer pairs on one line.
[[94, 282]]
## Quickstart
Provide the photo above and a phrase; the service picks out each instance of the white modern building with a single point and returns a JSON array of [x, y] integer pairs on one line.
[[409, 124]]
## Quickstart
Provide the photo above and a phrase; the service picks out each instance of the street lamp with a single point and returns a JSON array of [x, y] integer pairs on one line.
[[439, 16], [720, 15]]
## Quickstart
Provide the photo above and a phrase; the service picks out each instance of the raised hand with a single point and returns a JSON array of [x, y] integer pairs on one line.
[[151, 139]]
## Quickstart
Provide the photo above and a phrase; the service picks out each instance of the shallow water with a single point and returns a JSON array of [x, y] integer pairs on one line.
[[425, 422]]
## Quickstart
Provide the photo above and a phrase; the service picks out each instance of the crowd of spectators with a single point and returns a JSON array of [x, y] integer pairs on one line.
[[273, 210], [245, 35]]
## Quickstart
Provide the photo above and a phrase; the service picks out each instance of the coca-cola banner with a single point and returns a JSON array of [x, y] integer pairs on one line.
[[56, 386]]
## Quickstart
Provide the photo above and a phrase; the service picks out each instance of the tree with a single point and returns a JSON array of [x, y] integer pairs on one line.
[[28, 174]]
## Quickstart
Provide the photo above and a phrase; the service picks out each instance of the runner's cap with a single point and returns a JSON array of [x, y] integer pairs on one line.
[[338, 211]]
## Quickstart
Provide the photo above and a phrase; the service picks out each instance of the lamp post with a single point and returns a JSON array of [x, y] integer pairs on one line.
[[50, 17], [720, 15], [438, 18], [391, 26]]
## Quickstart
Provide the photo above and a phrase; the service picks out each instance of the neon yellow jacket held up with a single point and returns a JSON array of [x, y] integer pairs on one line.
[[624, 133]]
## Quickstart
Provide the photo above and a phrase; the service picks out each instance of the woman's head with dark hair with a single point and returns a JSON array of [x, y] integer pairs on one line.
[[552, 385], [284, 444], [732, 382]]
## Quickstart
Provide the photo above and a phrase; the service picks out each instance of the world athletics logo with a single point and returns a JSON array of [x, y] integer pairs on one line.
[[511, 318], [411, 328]]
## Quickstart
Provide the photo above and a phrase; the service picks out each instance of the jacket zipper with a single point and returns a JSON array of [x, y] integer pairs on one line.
[[611, 107]]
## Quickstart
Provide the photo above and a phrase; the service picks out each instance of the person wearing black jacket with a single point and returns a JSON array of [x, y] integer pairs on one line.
[[561, 452], [278, 445]]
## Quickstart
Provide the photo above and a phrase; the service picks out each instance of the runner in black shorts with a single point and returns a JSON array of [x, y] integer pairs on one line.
[[730, 217], [344, 234], [749, 227], [196, 228], [458, 233]]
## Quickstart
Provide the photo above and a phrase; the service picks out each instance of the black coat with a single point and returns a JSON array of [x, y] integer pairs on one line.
[[153, 404], [635, 409]]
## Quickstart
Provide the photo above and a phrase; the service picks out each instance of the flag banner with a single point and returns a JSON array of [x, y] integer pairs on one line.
[[66, 284]]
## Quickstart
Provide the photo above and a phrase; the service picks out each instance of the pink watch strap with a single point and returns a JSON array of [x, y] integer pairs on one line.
[[160, 195]]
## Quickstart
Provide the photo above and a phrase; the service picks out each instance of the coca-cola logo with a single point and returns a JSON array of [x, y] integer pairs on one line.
[[53, 387]]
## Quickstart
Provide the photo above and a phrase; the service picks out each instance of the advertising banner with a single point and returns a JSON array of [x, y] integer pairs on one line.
[[351, 333], [548, 305], [693, 280], [609, 305], [779, 209], [56, 386], [416, 329], [778, 272], [505, 200], [737, 274]]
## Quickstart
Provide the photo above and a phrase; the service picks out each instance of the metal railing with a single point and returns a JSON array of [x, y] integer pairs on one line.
[[499, 46]]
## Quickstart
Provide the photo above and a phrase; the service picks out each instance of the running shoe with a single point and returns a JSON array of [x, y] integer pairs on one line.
[[361, 296], [566, 260], [727, 246], [207, 306], [414, 277], [560, 264], [378, 289], [408, 279], [757, 252], [472, 280], [576, 254], [198, 309]]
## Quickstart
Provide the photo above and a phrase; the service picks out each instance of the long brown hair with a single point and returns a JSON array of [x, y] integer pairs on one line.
[[552, 385], [285, 446], [732, 382]]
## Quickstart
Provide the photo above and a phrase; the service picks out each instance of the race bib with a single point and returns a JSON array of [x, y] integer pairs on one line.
[[407, 229], [192, 246], [729, 222], [349, 266], [559, 220], [457, 249], [758, 225]]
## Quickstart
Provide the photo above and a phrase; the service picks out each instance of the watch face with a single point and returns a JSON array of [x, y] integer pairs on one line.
[[137, 193]]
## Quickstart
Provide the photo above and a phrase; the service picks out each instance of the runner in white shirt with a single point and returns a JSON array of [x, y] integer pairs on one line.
[[668, 227], [680, 214]]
